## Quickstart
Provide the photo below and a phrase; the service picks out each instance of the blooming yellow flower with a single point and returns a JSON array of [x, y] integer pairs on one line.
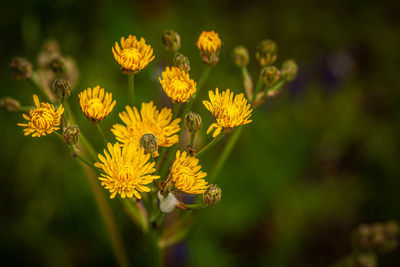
[[133, 55], [228, 110], [127, 170], [43, 119], [177, 84], [149, 120], [95, 104], [187, 175], [209, 44]]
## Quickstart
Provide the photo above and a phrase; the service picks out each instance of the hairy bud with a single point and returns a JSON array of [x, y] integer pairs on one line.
[[267, 52], [193, 122], [57, 65], [149, 143], [289, 70], [241, 56], [21, 68], [61, 88], [270, 75], [182, 62], [211, 195], [71, 134], [171, 40]]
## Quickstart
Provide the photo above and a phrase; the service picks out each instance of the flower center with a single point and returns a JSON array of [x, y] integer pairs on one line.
[[127, 175], [95, 106], [130, 54], [42, 118], [179, 86]]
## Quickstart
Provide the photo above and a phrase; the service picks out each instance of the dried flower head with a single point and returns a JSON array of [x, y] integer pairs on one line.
[[171, 40], [267, 52], [95, 104], [133, 55], [149, 120], [177, 84], [229, 110], [21, 68], [43, 119], [71, 134], [209, 45], [240, 56], [187, 175], [127, 170]]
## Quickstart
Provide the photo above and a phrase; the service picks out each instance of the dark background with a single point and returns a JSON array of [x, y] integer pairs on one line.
[[318, 160]]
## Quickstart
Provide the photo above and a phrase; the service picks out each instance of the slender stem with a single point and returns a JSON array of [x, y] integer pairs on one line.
[[137, 212], [192, 135], [101, 133], [247, 83], [194, 206], [161, 157], [258, 87], [175, 110], [35, 80], [225, 153], [211, 144], [202, 80], [131, 85], [273, 88]]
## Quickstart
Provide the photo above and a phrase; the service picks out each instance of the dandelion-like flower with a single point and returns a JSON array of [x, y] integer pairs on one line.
[[149, 120], [187, 175], [127, 170], [230, 111], [133, 55], [177, 84], [43, 119], [96, 104], [209, 44]]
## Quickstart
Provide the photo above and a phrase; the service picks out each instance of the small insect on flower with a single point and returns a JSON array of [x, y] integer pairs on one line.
[[95, 104], [43, 119], [148, 121], [229, 110], [133, 55], [209, 45], [127, 170], [177, 84], [187, 175]]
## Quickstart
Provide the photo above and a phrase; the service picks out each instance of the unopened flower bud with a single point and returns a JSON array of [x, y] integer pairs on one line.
[[9, 104], [270, 75], [241, 56], [193, 122], [289, 70], [57, 65], [21, 68], [182, 62], [267, 52], [71, 134], [168, 202], [171, 40], [209, 45], [61, 88], [211, 195], [149, 143]]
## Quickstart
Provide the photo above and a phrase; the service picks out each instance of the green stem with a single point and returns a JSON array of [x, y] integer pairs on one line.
[[192, 135], [101, 133], [25, 108], [225, 153], [194, 206], [35, 80], [138, 213], [175, 110], [273, 88], [131, 85], [247, 83], [202, 80], [211, 144], [258, 88]]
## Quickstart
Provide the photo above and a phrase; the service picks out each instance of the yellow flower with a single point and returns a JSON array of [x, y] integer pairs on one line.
[[127, 170], [133, 55], [228, 110], [43, 119], [149, 120], [95, 104], [187, 175], [177, 84], [209, 44]]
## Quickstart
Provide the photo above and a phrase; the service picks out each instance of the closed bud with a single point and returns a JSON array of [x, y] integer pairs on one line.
[[289, 70], [61, 88], [270, 75], [267, 52], [171, 40], [21, 68], [211, 195], [193, 122], [71, 134], [182, 62], [241, 56], [149, 143], [9, 104], [57, 65]]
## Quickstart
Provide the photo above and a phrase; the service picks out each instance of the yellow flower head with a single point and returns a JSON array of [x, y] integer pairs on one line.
[[187, 175], [228, 110], [149, 120], [43, 119], [127, 170], [133, 55], [177, 84], [95, 104], [209, 44]]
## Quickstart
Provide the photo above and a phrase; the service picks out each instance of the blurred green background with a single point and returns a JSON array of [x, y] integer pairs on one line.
[[317, 161]]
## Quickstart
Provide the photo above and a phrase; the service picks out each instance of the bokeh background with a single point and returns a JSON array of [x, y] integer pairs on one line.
[[318, 160]]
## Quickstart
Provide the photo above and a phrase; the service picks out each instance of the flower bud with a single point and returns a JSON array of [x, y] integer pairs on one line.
[[9, 104], [211, 195], [57, 65], [193, 122], [266, 53], [21, 68], [182, 62], [168, 202], [61, 88], [241, 56], [71, 134], [149, 143], [270, 75], [171, 40], [209, 45], [289, 70]]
